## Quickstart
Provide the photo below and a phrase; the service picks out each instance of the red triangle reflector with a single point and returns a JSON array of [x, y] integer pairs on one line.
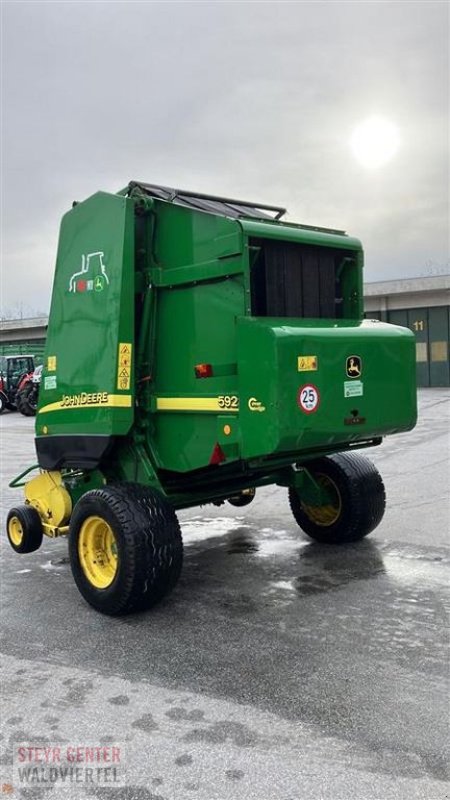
[[217, 455]]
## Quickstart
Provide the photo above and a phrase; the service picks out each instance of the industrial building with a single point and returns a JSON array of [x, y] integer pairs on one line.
[[421, 304], [23, 337]]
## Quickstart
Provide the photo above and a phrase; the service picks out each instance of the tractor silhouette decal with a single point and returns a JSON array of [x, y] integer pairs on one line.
[[92, 276]]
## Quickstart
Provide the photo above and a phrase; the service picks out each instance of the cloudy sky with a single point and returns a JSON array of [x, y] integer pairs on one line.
[[257, 100]]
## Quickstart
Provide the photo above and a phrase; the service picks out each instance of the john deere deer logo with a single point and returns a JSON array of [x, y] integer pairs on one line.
[[92, 276], [354, 367]]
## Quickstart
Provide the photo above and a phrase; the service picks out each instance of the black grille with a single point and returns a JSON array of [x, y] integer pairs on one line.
[[292, 280]]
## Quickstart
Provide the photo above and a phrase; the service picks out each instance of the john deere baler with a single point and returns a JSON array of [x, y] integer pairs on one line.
[[199, 347]]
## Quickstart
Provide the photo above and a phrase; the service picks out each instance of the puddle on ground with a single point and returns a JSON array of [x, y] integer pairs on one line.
[[55, 563], [197, 529], [279, 547], [242, 540], [406, 570], [284, 586], [262, 543]]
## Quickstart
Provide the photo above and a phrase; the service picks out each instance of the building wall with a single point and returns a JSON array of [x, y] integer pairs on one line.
[[33, 348], [431, 327], [423, 305], [407, 293], [23, 337]]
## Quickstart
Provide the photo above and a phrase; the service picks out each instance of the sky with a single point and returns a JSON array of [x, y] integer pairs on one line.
[[255, 100]]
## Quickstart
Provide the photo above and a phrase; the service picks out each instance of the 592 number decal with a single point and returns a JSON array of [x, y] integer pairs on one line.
[[308, 398], [228, 401]]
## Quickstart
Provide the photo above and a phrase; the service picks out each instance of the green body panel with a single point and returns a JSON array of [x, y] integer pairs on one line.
[[178, 287], [383, 395], [88, 322], [184, 440], [191, 246], [298, 233]]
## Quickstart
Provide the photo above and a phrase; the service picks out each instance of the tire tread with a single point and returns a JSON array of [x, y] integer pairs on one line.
[[32, 528], [152, 542], [363, 494]]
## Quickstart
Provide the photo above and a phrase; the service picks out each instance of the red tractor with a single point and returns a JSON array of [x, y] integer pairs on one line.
[[28, 393], [15, 373]]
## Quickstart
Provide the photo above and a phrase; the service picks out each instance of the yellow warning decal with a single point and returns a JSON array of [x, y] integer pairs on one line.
[[228, 402], [51, 364], [307, 363], [88, 400], [124, 366]]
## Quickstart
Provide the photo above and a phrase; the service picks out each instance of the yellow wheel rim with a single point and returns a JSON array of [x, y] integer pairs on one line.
[[328, 514], [15, 531], [97, 551]]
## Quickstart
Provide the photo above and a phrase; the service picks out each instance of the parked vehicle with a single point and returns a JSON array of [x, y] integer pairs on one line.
[[15, 371], [28, 394], [200, 347]]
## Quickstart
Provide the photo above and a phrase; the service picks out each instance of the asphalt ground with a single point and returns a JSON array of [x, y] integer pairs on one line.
[[278, 669]]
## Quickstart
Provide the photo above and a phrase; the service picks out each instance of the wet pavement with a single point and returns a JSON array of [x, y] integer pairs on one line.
[[278, 668]]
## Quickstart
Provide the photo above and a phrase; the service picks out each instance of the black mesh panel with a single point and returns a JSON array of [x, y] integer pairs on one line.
[[292, 280]]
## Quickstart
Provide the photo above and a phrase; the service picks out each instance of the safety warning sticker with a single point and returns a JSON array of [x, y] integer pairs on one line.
[[124, 366], [307, 363]]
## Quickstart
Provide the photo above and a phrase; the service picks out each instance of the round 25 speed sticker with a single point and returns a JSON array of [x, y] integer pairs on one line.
[[308, 398]]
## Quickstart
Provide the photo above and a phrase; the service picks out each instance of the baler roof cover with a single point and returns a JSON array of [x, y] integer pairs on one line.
[[224, 206]]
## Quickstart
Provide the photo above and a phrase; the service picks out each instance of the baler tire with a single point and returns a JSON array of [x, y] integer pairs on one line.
[[3, 403], [148, 543], [24, 529], [362, 499]]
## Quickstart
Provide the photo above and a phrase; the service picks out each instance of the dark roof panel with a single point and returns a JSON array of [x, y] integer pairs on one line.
[[224, 206]]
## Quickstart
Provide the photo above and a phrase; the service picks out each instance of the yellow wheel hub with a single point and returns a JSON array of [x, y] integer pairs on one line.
[[15, 531], [97, 551], [328, 514]]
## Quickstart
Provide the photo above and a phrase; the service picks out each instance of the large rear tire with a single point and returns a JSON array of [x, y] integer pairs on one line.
[[125, 548], [356, 499]]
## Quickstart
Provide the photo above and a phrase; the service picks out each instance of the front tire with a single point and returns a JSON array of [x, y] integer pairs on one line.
[[125, 548], [356, 500], [24, 529]]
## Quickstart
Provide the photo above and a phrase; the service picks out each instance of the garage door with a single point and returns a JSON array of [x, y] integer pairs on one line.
[[431, 327]]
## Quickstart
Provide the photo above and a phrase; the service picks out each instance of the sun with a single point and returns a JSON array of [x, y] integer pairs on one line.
[[375, 142]]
